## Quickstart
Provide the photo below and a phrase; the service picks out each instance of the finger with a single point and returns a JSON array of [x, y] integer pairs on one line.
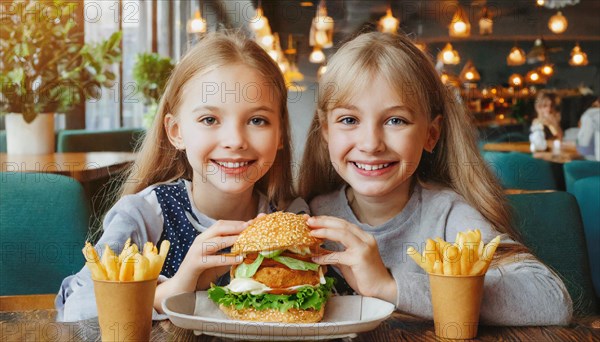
[[337, 258], [337, 223], [224, 227], [215, 244], [210, 261], [346, 238]]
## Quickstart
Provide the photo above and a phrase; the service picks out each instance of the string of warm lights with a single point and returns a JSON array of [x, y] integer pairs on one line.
[[321, 37]]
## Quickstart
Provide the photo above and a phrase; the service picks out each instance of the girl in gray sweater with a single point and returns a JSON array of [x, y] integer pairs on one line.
[[390, 161]]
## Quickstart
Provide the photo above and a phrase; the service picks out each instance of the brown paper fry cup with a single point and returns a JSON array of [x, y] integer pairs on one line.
[[456, 302], [125, 309]]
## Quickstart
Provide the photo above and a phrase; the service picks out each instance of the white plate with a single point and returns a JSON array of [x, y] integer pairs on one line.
[[345, 316]]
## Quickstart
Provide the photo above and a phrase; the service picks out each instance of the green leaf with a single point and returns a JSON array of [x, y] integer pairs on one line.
[[296, 264], [306, 298], [248, 270], [16, 75], [271, 254]]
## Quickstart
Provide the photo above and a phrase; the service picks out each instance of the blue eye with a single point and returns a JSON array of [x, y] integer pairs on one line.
[[348, 120], [208, 121], [396, 121], [258, 122]]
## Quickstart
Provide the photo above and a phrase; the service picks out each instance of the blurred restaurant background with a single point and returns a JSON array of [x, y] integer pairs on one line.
[[111, 59]]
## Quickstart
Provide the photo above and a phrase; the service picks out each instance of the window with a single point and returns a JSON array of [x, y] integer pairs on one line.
[[120, 105]]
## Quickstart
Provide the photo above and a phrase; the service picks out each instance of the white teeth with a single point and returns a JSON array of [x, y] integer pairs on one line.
[[232, 165], [369, 167]]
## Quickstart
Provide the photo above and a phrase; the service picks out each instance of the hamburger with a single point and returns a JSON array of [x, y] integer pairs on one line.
[[277, 281]]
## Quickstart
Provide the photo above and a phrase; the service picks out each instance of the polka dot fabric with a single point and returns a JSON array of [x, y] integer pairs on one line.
[[174, 202]]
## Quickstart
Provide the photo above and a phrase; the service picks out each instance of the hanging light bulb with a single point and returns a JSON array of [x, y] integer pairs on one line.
[[540, 2], [537, 53], [421, 46], [448, 78], [547, 69], [293, 74], [459, 27], [516, 56], [448, 55], [558, 23], [267, 41], [535, 77], [321, 38], [316, 56], [322, 21], [469, 73], [321, 29], [578, 57], [515, 80], [388, 23], [486, 24], [259, 22], [322, 70], [196, 24]]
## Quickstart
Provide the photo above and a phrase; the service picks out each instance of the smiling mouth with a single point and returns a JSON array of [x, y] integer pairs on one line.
[[373, 167], [233, 165]]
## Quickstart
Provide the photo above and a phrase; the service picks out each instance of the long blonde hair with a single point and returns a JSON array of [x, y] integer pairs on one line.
[[159, 161], [455, 162]]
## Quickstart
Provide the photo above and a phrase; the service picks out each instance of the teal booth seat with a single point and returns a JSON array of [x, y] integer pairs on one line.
[[517, 170], [43, 226], [578, 169], [550, 224], [587, 192], [81, 140]]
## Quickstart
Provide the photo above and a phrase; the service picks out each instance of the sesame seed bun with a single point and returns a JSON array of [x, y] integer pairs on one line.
[[273, 315], [275, 231]]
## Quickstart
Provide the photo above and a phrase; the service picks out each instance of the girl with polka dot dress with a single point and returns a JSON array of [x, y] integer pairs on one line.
[[217, 155]]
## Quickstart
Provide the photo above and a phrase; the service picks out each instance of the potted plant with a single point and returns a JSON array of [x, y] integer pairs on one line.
[[45, 68], [151, 72]]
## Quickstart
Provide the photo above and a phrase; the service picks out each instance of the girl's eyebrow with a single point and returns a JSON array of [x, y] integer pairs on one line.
[[348, 107], [387, 110], [394, 108], [261, 109], [204, 108]]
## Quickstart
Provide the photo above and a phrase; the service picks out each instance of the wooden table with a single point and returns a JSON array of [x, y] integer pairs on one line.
[[568, 151], [40, 325], [83, 166]]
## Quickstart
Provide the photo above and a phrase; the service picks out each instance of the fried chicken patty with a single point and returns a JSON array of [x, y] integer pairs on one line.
[[282, 277]]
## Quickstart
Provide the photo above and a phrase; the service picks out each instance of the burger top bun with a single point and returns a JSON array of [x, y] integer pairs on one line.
[[275, 231]]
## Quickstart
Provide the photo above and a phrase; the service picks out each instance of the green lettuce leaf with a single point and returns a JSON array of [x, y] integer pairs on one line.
[[306, 298], [296, 264], [248, 270]]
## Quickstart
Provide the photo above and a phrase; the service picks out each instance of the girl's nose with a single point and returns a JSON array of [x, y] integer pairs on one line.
[[370, 139], [234, 138]]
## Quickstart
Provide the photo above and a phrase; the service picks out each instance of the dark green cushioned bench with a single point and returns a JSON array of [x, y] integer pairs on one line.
[[43, 226], [521, 171], [551, 226], [117, 140], [578, 169], [587, 192]]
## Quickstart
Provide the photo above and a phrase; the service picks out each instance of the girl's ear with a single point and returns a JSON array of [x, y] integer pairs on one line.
[[172, 129], [434, 133]]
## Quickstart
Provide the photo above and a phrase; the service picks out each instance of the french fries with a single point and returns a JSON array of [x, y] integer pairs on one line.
[[129, 265], [468, 255]]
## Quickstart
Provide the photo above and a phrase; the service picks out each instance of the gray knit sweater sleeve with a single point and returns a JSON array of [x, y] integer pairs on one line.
[[521, 292]]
